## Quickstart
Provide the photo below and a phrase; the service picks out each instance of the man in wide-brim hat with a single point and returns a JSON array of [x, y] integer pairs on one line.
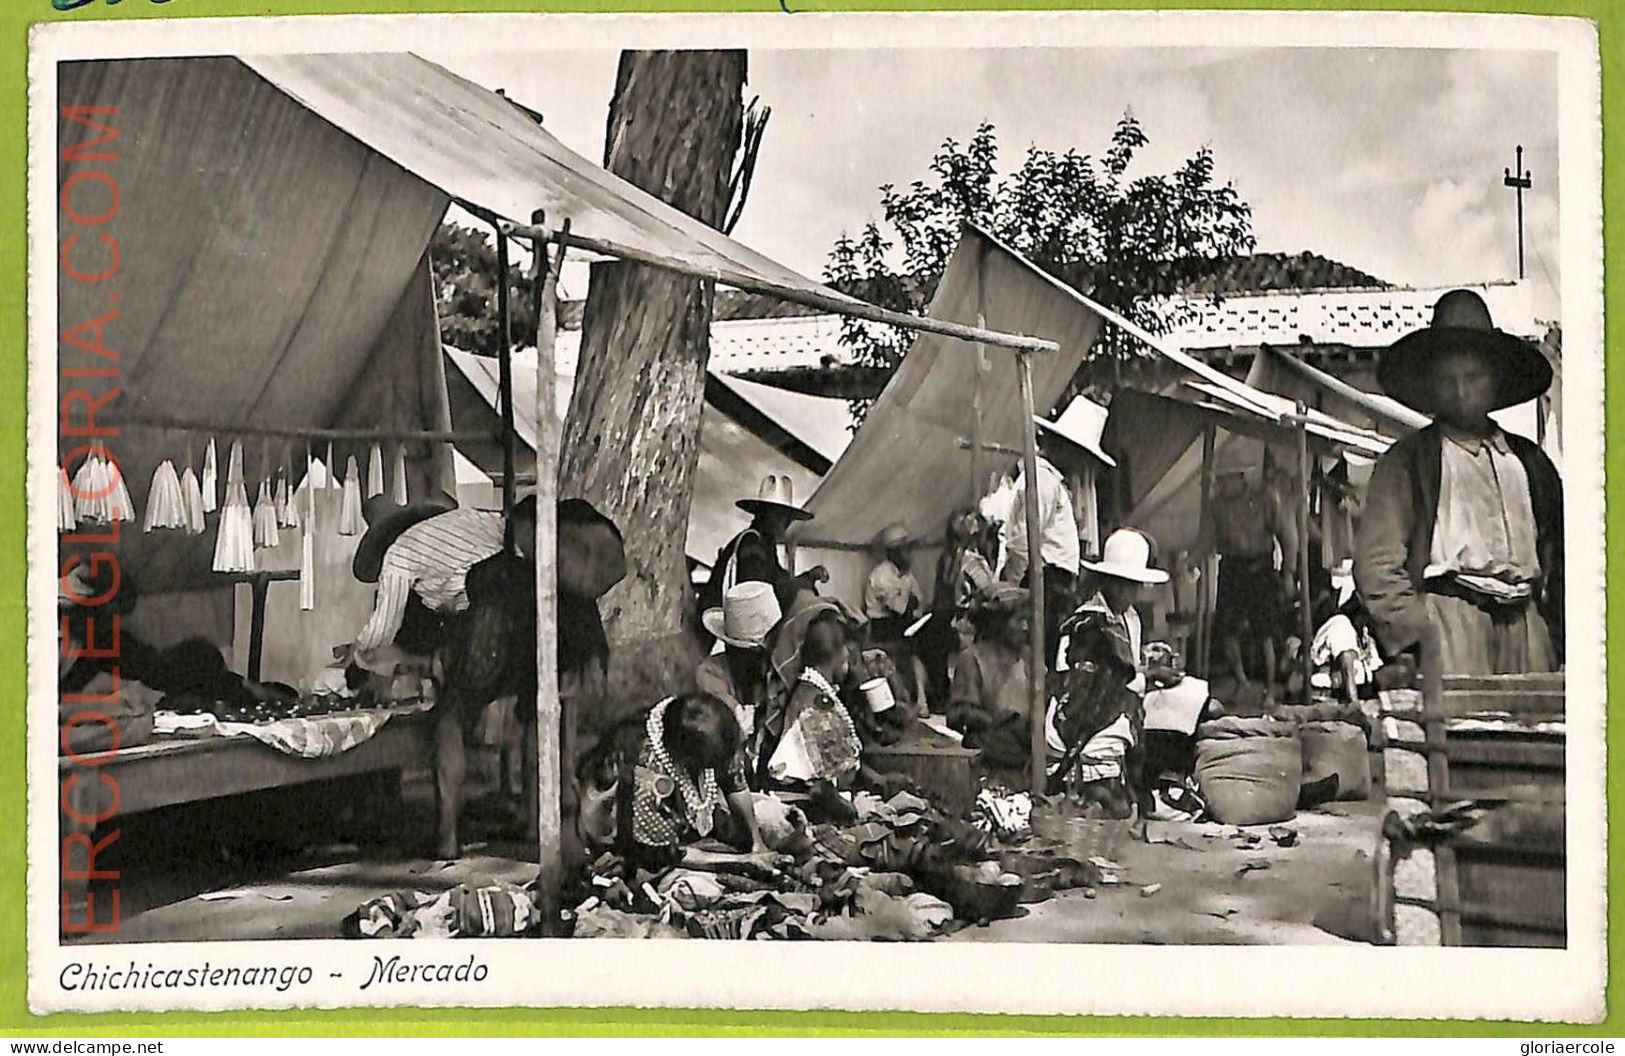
[[1463, 522], [740, 672], [752, 556]]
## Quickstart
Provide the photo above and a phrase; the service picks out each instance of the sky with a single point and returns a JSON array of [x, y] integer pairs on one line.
[[1387, 159]]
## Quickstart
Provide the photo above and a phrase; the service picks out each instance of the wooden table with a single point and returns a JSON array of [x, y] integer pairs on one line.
[[942, 767], [173, 770]]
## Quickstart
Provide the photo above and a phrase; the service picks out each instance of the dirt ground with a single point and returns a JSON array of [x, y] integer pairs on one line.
[[1205, 898], [181, 894]]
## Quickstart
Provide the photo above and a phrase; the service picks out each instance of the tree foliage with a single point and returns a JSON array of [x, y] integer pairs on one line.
[[464, 261], [1129, 241]]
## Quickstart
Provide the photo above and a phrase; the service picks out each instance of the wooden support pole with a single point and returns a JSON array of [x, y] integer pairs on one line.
[[555, 741], [505, 385], [230, 428], [1306, 619], [825, 300], [1037, 662], [1204, 611], [976, 481]]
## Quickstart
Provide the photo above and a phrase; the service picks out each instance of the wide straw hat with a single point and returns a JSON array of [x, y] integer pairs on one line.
[[1083, 423], [748, 615], [1461, 321], [775, 493], [1127, 555], [386, 520]]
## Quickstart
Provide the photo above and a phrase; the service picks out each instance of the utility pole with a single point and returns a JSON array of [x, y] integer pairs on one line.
[[1519, 183]]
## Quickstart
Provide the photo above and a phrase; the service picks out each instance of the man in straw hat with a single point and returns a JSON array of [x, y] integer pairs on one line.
[[752, 556], [740, 672], [1463, 522], [1057, 542], [1096, 721], [447, 587]]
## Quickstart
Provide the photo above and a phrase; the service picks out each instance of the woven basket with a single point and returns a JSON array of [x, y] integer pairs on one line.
[[1079, 837]]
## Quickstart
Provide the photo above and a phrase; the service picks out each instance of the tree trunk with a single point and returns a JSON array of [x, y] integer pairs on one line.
[[631, 440]]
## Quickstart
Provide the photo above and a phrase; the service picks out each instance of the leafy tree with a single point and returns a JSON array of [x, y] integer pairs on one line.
[[464, 261], [1127, 241]]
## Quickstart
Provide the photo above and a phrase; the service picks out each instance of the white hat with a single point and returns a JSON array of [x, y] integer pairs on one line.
[[1127, 555], [749, 611], [1083, 422]]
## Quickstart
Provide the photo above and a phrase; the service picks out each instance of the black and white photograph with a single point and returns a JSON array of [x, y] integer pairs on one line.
[[1045, 513]]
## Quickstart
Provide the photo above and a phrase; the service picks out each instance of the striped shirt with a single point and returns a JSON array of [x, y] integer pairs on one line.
[[432, 558]]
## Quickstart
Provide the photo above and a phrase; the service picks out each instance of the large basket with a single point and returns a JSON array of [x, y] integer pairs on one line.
[[1079, 837]]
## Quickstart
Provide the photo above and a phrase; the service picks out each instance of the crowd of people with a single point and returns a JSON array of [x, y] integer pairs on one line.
[[1459, 544]]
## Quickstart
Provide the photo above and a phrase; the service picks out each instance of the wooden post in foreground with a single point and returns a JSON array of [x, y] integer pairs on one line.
[[553, 728], [510, 436], [1204, 610], [1036, 662], [1306, 620]]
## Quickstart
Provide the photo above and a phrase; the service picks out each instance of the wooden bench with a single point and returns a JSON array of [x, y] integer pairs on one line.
[[174, 770]]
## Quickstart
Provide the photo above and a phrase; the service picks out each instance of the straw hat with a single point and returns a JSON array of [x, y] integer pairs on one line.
[[775, 494], [386, 520], [1461, 320], [1083, 422], [748, 615], [1127, 555]]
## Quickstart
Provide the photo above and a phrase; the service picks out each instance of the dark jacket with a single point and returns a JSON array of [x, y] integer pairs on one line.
[[1396, 535]]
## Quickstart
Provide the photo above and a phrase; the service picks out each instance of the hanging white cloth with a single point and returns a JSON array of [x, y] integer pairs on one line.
[[66, 521], [166, 505], [192, 501], [266, 534], [375, 472], [234, 535], [209, 485], [350, 519], [100, 496], [399, 482]]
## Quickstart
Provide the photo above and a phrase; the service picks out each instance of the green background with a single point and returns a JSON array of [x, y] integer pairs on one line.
[[15, 18]]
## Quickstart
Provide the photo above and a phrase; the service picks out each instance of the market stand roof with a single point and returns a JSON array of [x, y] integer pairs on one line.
[[283, 207], [906, 462]]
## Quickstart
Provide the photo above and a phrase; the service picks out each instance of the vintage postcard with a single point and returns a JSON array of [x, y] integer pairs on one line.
[[1052, 513]]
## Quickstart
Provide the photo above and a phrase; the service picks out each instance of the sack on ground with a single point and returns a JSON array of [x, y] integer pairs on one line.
[[1249, 770], [1337, 748]]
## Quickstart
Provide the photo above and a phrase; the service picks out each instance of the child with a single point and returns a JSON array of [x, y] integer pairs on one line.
[[666, 779], [820, 745]]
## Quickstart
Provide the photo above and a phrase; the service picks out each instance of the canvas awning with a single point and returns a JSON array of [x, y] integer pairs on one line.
[[906, 462], [747, 430], [477, 146], [274, 273], [1277, 371]]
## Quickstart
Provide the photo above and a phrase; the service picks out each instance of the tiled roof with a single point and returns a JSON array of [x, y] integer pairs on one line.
[[1361, 318], [1267, 272]]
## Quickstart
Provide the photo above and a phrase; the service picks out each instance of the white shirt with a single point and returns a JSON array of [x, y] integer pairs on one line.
[[1484, 531], [432, 558], [1057, 526]]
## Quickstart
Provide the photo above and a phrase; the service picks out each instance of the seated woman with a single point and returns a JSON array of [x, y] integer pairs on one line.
[[1095, 726], [1343, 654], [988, 700], [820, 749], [666, 780]]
